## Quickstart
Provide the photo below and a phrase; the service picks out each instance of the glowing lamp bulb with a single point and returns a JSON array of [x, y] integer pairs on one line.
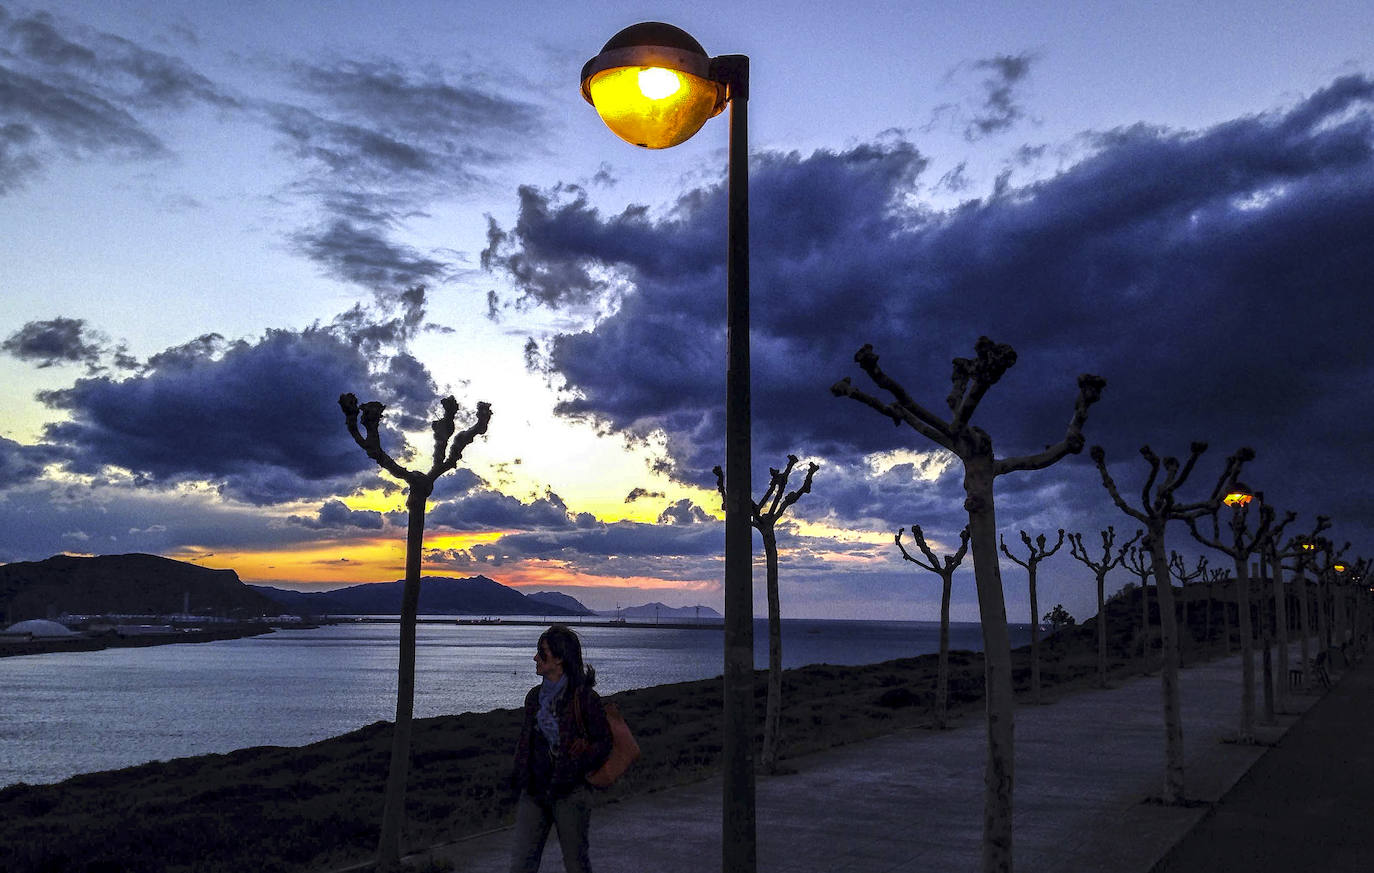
[[657, 83], [653, 107], [1307, 547], [1339, 568], [1237, 498]]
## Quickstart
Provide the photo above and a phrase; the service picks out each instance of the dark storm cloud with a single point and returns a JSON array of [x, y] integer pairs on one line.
[[996, 106], [335, 515], [67, 90], [56, 341], [637, 493], [492, 510], [683, 511], [434, 122], [20, 464], [363, 255], [1217, 278], [364, 128], [1000, 108], [44, 518], [622, 549], [260, 419]]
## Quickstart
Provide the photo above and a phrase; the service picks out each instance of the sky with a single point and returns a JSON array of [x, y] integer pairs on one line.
[[217, 218]]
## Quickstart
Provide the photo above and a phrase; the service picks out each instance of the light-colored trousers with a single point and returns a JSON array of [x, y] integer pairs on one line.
[[571, 815]]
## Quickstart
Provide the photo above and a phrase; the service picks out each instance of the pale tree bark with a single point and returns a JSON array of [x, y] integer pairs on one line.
[[1138, 561], [1184, 576], [1240, 547], [764, 515], [1159, 506], [1215, 575], [1297, 550], [1038, 553], [1100, 570], [1276, 676], [971, 379], [946, 573], [448, 450]]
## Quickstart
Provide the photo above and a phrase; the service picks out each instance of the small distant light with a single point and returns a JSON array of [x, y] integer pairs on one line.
[[1238, 498]]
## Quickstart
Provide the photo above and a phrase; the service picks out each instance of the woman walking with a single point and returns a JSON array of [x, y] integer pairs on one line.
[[564, 736]]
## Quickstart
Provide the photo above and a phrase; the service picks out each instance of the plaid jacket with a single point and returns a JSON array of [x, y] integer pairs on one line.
[[582, 748]]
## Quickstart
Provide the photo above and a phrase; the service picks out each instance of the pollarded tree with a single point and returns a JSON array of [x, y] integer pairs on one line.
[[1100, 570], [764, 515], [1037, 553], [1300, 549], [946, 573], [448, 450], [1240, 548], [1324, 561], [1159, 506], [1275, 634], [1185, 576], [971, 379], [1137, 560]]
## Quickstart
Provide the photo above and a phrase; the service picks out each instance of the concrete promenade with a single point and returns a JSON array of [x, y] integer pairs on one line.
[[1086, 766]]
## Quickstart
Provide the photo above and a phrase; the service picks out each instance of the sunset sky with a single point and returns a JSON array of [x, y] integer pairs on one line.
[[216, 217]]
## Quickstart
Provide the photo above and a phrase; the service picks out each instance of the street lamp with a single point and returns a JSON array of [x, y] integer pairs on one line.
[[654, 86]]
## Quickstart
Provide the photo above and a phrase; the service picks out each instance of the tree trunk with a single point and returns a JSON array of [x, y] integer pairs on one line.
[[772, 720], [1226, 623], [1323, 618], [1207, 615], [393, 809], [1168, 638], [1304, 615], [1247, 654], [1035, 639], [942, 673], [1101, 633], [1145, 624], [1280, 636], [998, 777]]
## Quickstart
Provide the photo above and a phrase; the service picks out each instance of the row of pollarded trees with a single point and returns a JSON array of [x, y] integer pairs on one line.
[[1160, 503], [972, 377]]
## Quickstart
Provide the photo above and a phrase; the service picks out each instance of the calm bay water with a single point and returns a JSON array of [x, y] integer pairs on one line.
[[76, 712]]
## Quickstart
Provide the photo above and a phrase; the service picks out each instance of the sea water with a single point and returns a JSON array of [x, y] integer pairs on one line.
[[76, 712]]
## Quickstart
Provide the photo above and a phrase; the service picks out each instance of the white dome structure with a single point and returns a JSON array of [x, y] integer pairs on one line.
[[40, 628]]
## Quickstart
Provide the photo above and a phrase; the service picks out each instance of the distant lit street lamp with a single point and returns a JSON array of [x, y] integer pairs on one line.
[[655, 86]]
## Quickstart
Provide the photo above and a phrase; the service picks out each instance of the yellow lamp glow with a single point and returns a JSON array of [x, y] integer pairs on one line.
[[652, 85], [1339, 568], [1307, 547], [1237, 498], [653, 107]]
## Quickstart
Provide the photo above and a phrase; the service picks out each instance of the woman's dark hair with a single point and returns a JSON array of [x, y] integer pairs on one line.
[[564, 645]]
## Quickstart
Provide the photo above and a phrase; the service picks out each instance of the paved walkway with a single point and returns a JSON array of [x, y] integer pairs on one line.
[[1306, 804], [1085, 766]]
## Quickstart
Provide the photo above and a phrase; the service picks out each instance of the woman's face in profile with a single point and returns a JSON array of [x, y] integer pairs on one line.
[[546, 665]]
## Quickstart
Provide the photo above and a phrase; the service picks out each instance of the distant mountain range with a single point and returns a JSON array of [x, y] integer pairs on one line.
[[139, 584], [658, 610], [439, 595], [128, 584]]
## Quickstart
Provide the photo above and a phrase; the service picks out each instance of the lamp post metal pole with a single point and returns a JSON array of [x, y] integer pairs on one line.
[[738, 834]]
